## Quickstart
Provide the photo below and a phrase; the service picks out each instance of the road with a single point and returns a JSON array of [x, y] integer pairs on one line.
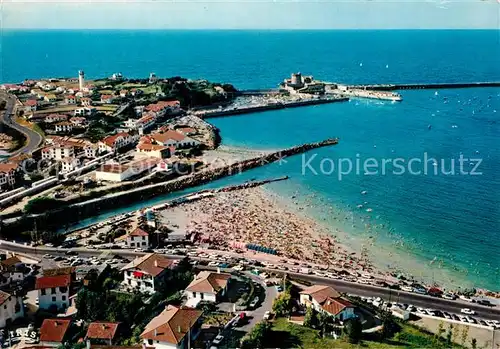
[[424, 301], [257, 315], [33, 139]]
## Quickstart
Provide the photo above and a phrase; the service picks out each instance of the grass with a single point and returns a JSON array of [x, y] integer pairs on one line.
[[57, 109], [289, 335]]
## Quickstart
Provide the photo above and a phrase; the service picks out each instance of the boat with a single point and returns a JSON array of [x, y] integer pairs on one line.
[[369, 210], [429, 126], [364, 192]]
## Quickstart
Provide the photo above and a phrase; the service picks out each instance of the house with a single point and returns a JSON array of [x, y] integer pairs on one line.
[[207, 286], [71, 99], [91, 150], [54, 332], [162, 108], [118, 172], [58, 152], [102, 332], [108, 99], [186, 131], [8, 174], [138, 238], [69, 164], [85, 111], [51, 118], [174, 328], [147, 121], [115, 142], [11, 271], [153, 150], [11, 308], [64, 127], [78, 121], [326, 299], [147, 273], [31, 104], [174, 138], [50, 97], [53, 291], [86, 101]]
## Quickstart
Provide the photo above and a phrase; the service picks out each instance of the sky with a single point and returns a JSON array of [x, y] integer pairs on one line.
[[250, 14]]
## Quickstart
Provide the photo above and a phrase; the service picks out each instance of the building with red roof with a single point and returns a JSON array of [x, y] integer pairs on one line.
[[54, 332], [11, 308], [115, 142], [207, 286], [172, 138], [138, 238], [163, 107], [173, 328], [53, 291], [326, 299], [100, 332], [146, 273], [8, 174]]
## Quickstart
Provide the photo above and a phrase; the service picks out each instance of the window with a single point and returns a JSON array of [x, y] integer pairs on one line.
[[144, 238], [150, 341], [43, 291], [63, 298], [132, 244], [202, 295], [194, 294], [53, 299], [5, 306], [53, 290]]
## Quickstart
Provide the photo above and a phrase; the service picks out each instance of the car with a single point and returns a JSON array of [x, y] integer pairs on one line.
[[484, 302], [58, 258], [267, 315], [407, 288], [447, 316], [218, 340], [449, 296], [467, 311], [466, 298], [213, 264], [138, 250], [71, 253], [48, 256], [419, 290], [279, 288]]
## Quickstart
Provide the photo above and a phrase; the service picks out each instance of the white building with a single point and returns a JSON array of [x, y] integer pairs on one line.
[[145, 122], [11, 308], [138, 239], [69, 164], [162, 108], [116, 141], [118, 173], [8, 174], [58, 152], [207, 286], [70, 99], [10, 271], [146, 273], [55, 118], [326, 299], [173, 328], [153, 150], [85, 111], [53, 291], [91, 150], [64, 127]]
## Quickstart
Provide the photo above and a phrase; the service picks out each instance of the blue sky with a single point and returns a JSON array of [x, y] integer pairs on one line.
[[251, 14]]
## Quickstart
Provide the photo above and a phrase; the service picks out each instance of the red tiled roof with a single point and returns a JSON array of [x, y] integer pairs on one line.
[[335, 306], [70, 97], [110, 140], [106, 96], [321, 292], [171, 325], [31, 102], [8, 167], [168, 135], [102, 330], [152, 263], [208, 282], [150, 147], [138, 232], [54, 330], [114, 168], [53, 281]]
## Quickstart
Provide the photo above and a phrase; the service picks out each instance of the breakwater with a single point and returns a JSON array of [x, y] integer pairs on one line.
[[392, 87], [270, 106], [74, 211]]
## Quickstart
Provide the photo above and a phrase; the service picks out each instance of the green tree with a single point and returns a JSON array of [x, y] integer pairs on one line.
[[311, 318], [439, 333], [389, 326], [473, 343], [258, 337], [324, 323], [281, 305], [353, 330]]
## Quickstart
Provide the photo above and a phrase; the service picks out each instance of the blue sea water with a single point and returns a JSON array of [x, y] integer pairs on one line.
[[445, 226]]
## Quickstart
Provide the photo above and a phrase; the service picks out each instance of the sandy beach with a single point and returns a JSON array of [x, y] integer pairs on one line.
[[252, 216]]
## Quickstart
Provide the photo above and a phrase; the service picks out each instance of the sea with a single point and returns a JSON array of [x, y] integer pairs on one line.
[[425, 216]]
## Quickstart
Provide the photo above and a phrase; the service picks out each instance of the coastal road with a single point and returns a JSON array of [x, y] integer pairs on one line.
[[484, 312], [33, 139]]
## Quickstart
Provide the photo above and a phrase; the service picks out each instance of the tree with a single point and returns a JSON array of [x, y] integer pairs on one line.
[[324, 323], [257, 337], [311, 318], [439, 333], [389, 326], [3, 104], [281, 305], [449, 335], [353, 330], [473, 343], [465, 335]]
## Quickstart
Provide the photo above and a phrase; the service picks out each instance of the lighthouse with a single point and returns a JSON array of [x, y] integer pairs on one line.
[[81, 79]]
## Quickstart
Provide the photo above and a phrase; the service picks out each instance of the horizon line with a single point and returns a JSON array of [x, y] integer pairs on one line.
[[248, 29]]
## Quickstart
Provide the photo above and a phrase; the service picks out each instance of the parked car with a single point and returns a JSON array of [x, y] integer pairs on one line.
[[467, 311], [449, 296], [218, 340]]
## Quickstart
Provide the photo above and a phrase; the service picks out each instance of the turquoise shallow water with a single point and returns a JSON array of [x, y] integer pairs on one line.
[[453, 220]]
